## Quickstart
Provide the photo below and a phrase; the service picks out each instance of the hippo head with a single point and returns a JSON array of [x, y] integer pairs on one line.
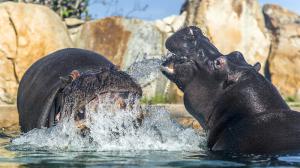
[[86, 88], [197, 67]]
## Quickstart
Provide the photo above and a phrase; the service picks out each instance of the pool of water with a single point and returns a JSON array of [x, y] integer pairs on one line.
[[114, 142], [12, 156]]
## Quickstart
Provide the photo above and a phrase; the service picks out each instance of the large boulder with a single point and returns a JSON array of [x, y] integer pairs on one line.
[[231, 25], [127, 41], [284, 59], [27, 33]]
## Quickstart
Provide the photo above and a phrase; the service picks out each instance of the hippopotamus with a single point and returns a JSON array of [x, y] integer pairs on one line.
[[239, 109], [60, 84]]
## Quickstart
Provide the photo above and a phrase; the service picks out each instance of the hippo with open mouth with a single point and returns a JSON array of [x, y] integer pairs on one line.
[[61, 84], [240, 110]]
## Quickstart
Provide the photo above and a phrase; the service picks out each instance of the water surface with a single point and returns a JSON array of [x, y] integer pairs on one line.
[[116, 142], [12, 157]]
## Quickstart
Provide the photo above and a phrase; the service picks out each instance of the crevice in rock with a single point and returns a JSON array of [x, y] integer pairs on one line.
[[237, 8], [195, 12], [295, 36], [267, 72], [17, 45], [13, 64], [190, 6], [14, 69], [6, 98]]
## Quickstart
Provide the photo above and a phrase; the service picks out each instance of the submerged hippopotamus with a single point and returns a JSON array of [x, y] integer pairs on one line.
[[61, 84], [241, 111]]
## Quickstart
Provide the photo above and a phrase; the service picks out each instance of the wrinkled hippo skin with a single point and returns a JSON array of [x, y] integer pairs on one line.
[[68, 76], [241, 111]]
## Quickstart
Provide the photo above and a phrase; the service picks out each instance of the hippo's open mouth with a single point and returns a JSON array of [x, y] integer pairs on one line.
[[169, 65], [190, 51], [176, 67]]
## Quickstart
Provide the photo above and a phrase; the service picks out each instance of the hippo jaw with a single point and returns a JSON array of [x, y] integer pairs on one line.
[[190, 51]]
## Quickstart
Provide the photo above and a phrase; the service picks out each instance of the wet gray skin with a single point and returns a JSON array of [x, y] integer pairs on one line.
[[229, 97], [82, 89], [201, 71]]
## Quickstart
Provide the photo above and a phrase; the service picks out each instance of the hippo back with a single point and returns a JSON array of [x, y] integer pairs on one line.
[[40, 83]]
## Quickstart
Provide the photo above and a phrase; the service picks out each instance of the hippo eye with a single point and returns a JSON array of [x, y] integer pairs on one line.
[[219, 62]]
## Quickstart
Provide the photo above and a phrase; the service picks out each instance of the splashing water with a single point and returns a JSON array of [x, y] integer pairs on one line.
[[145, 71], [114, 129]]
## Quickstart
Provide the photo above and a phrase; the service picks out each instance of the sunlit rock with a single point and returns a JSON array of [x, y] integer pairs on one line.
[[171, 24], [27, 33], [284, 59], [231, 25]]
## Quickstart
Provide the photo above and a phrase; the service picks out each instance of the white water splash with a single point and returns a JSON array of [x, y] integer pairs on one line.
[[114, 129], [145, 71]]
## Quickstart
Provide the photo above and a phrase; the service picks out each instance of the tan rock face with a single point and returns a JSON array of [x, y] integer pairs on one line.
[[74, 27], [284, 59], [27, 33], [106, 37], [231, 25]]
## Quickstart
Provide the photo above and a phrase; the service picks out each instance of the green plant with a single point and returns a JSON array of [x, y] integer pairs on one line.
[[157, 99], [290, 99]]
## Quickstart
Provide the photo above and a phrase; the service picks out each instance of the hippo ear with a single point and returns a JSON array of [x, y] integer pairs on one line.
[[68, 79], [74, 74], [257, 66]]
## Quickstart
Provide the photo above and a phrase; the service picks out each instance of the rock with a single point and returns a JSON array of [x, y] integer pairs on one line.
[[74, 27], [9, 119], [70, 22], [126, 41], [106, 37], [231, 25], [121, 40], [171, 24], [27, 33], [284, 59]]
